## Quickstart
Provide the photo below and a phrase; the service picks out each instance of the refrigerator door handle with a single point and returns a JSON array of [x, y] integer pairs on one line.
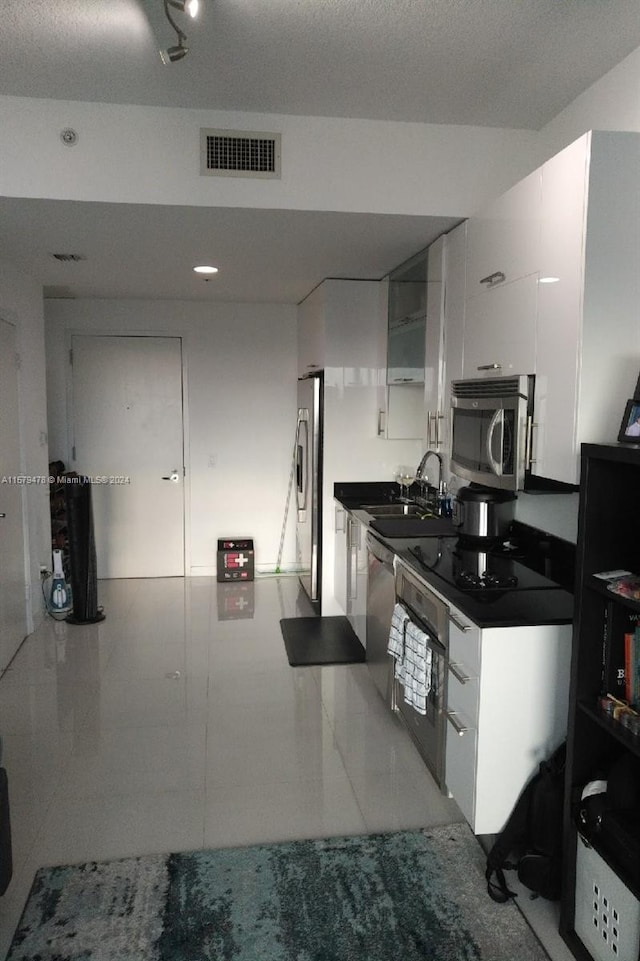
[[302, 461]]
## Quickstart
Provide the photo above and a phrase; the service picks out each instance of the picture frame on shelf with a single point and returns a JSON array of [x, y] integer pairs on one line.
[[629, 432]]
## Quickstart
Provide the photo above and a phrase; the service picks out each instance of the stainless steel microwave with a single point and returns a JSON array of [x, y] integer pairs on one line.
[[491, 426]]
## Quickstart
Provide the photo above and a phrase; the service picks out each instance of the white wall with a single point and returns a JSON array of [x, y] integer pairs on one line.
[[132, 154], [21, 305], [240, 405], [612, 103]]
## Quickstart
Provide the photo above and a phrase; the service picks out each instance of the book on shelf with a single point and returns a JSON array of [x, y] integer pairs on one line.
[[621, 655], [628, 585], [632, 666]]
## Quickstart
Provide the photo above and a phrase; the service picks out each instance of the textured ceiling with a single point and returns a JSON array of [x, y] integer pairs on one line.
[[511, 63]]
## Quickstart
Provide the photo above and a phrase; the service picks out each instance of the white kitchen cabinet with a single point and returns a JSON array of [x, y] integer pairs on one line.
[[454, 309], [453, 331], [350, 570], [357, 579], [507, 700], [311, 336], [434, 369], [503, 239], [588, 349], [340, 558], [401, 414], [500, 329]]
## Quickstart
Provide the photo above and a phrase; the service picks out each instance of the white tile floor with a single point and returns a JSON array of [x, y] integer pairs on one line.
[[177, 723]]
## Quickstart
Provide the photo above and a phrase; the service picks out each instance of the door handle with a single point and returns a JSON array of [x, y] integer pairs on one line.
[[437, 417], [2, 515], [173, 476], [498, 417]]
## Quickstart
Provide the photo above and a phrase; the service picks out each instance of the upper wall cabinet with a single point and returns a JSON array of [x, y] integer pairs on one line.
[[503, 240], [500, 329], [311, 335], [588, 350], [407, 316], [503, 257], [434, 370]]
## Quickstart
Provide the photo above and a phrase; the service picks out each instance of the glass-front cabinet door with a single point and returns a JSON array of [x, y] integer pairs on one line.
[[407, 322]]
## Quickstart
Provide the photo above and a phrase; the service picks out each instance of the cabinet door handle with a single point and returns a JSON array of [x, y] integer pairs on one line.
[[459, 728], [352, 547], [465, 628], [458, 673], [490, 367], [492, 279], [437, 417], [429, 429], [529, 459], [381, 423]]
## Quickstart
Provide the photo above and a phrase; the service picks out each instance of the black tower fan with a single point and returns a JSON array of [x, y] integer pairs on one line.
[[82, 553]]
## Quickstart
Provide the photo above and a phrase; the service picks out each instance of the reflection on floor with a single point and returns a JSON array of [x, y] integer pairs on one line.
[[177, 724]]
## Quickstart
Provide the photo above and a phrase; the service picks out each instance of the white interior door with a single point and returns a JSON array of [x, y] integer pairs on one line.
[[128, 437], [13, 624]]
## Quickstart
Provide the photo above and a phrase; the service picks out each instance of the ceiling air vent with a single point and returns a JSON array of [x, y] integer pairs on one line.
[[68, 258], [239, 153]]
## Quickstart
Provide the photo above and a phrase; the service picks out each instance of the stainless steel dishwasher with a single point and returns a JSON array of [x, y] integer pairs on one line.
[[381, 598]]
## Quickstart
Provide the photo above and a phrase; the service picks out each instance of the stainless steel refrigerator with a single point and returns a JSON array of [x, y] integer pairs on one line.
[[309, 486]]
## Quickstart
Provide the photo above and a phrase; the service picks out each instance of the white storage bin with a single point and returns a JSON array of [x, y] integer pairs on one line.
[[607, 915]]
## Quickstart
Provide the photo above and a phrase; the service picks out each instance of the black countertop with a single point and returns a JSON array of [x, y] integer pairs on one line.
[[549, 602]]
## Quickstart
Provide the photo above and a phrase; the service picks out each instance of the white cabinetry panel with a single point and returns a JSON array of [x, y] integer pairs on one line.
[[341, 559], [504, 238], [500, 329], [506, 711], [311, 336], [455, 293], [588, 352]]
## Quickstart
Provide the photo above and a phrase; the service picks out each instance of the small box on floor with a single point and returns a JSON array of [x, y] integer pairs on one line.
[[235, 559]]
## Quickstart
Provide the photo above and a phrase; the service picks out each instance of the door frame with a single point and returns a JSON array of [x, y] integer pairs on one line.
[[28, 582], [72, 332]]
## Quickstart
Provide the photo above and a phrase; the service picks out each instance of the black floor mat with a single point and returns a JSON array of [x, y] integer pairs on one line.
[[320, 640]]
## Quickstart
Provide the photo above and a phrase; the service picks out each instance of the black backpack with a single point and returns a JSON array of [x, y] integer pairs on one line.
[[531, 840]]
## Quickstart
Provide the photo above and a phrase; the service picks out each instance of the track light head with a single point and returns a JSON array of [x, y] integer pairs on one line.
[[185, 6], [171, 54]]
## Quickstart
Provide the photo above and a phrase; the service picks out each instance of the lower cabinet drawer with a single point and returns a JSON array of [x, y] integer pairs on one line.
[[460, 762], [463, 694]]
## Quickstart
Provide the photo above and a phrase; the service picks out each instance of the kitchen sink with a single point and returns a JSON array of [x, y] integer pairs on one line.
[[395, 510]]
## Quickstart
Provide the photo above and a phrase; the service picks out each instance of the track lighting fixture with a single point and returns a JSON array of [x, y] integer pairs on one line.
[[185, 6], [155, 8]]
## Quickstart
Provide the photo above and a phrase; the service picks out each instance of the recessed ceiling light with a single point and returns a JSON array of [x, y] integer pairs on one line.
[[206, 269], [549, 280]]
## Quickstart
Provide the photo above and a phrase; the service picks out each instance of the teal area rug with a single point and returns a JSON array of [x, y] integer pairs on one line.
[[406, 896]]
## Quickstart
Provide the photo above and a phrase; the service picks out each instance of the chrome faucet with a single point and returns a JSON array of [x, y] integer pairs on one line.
[[422, 480]]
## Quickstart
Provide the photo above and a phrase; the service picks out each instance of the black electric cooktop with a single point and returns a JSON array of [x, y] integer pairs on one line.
[[492, 584]]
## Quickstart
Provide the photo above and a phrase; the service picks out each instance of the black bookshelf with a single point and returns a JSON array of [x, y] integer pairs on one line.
[[608, 539]]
